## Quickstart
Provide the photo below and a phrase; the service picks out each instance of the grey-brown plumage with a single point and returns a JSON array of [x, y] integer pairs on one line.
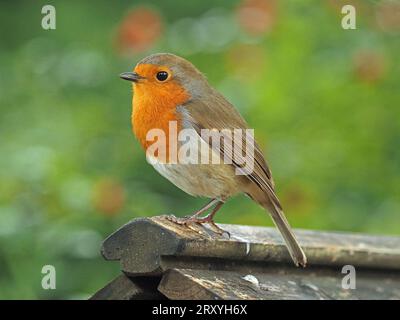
[[207, 109], [217, 112]]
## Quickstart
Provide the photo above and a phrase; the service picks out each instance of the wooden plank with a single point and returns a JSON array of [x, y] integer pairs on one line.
[[273, 283], [124, 288], [149, 245]]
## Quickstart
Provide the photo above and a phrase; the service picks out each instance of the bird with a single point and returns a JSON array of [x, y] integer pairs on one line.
[[170, 89]]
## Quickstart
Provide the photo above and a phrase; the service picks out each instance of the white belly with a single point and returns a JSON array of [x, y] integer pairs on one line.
[[211, 180], [204, 180]]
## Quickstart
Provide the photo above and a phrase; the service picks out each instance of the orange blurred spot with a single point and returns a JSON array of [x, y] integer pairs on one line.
[[246, 61], [298, 199], [388, 16], [369, 66], [108, 196], [256, 16], [139, 30]]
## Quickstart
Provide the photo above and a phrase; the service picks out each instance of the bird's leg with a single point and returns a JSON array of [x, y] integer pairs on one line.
[[192, 218], [202, 210], [210, 220]]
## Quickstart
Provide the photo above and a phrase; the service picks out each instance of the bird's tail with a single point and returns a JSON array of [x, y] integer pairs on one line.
[[296, 252], [270, 202]]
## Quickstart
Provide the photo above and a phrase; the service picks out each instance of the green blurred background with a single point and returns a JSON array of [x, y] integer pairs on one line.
[[324, 102]]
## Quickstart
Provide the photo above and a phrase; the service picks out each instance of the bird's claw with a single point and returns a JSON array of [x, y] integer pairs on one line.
[[216, 229], [190, 222]]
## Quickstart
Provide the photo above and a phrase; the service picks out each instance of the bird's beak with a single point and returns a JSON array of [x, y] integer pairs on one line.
[[131, 76]]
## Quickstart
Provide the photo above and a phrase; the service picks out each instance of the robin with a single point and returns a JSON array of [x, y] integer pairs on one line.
[[167, 89]]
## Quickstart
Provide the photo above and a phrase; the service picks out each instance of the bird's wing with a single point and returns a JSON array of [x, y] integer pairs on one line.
[[218, 113]]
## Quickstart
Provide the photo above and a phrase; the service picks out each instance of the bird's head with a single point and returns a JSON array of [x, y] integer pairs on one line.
[[167, 76]]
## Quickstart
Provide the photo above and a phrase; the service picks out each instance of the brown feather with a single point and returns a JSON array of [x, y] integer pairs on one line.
[[216, 112]]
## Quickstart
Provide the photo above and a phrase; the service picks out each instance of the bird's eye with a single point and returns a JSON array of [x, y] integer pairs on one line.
[[162, 76]]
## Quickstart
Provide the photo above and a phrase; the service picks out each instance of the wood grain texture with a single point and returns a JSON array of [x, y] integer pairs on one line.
[[124, 288], [162, 259], [143, 247], [273, 284]]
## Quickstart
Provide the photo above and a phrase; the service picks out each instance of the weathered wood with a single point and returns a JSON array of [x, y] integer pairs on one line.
[[124, 288], [252, 264], [277, 283], [150, 246]]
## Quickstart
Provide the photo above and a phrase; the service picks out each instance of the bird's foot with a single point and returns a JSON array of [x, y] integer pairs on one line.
[[216, 229], [198, 228], [190, 221]]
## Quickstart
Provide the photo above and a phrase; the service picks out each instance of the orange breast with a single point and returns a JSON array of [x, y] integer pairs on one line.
[[154, 106]]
